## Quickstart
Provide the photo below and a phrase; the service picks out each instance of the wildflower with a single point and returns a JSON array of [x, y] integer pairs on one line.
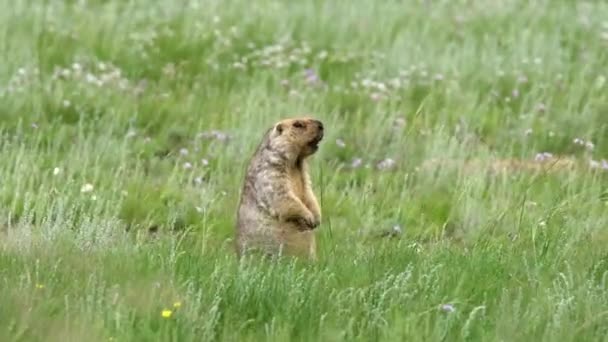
[[528, 131], [87, 188], [90, 78], [187, 165], [395, 83], [522, 79], [66, 103], [65, 73], [214, 134], [540, 157], [39, 286], [183, 151], [601, 80], [587, 144], [541, 108], [311, 76], [604, 164], [399, 122], [594, 164], [448, 307], [386, 164], [375, 97], [340, 143], [397, 229], [357, 162], [177, 305], [56, 171], [166, 313]]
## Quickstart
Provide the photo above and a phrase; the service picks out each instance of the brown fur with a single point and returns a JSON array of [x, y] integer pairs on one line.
[[278, 210]]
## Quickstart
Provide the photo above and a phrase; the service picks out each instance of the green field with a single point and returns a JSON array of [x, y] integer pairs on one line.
[[126, 126]]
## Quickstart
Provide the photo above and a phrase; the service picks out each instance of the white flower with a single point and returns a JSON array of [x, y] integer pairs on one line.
[[448, 307], [87, 188], [386, 164]]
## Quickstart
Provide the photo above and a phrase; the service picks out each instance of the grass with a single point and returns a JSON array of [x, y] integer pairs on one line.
[[126, 127]]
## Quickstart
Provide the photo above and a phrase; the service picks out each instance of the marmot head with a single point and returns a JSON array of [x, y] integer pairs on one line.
[[297, 138]]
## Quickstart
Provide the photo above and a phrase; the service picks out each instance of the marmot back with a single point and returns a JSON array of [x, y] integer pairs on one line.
[[278, 211]]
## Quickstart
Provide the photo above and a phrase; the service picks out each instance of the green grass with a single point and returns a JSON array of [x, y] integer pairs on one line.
[[126, 96]]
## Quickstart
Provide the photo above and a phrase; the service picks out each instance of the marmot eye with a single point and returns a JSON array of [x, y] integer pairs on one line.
[[298, 124]]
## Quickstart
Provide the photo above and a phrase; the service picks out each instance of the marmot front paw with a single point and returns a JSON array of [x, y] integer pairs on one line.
[[308, 222]]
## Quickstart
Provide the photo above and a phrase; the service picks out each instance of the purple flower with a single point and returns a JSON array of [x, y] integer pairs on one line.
[[311, 76], [540, 157]]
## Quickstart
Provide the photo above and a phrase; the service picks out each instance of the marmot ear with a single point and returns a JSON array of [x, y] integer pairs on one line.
[[279, 128]]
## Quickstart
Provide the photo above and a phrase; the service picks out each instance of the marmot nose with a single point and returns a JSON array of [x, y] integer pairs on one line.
[[320, 124]]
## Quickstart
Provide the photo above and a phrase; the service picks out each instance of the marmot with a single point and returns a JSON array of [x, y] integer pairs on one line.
[[278, 211]]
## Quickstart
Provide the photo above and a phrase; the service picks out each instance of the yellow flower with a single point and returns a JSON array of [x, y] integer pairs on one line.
[[39, 286], [166, 313], [177, 305]]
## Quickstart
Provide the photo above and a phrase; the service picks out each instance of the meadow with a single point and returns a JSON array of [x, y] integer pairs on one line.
[[125, 128]]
